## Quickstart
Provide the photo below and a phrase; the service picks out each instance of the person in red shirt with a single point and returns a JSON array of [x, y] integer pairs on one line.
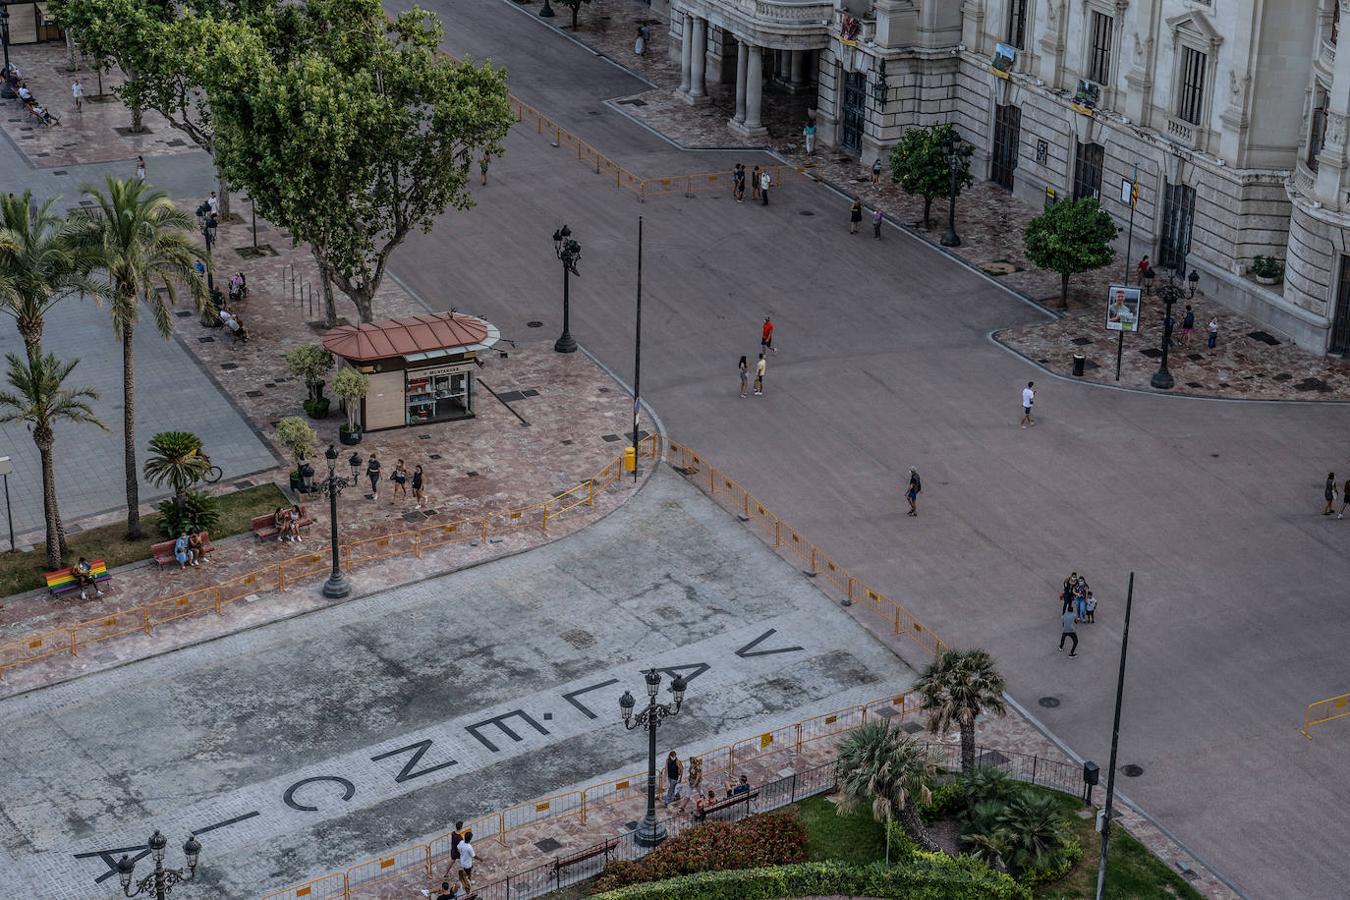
[[766, 335]]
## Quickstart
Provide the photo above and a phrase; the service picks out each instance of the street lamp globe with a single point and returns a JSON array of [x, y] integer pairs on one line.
[[331, 456], [125, 867], [157, 844], [677, 688], [355, 462], [653, 679], [626, 705], [192, 848]]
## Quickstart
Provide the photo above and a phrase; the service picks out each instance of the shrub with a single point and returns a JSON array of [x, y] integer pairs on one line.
[[310, 362], [756, 841], [350, 386], [1267, 267], [197, 512], [923, 876], [945, 802], [1070, 854], [990, 784], [294, 434]]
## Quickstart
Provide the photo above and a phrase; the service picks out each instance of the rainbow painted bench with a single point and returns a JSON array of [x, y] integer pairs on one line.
[[63, 580]]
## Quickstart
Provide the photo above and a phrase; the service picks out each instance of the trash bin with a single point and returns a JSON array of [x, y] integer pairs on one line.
[[629, 459], [1079, 361]]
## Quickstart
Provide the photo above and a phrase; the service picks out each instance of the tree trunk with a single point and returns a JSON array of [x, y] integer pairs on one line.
[[914, 827], [363, 299], [1064, 291], [575, 10], [129, 433], [967, 748], [32, 338], [223, 195], [137, 120], [927, 210], [70, 55], [44, 445], [326, 283]]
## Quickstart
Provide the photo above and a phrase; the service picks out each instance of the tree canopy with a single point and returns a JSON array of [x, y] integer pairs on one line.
[[919, 164], [1070, 237]]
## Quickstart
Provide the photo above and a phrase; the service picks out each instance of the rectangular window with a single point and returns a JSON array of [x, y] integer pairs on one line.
[[1191, 97], [1087, 171], [1099, 51], [1317, 134], [1017, 23]]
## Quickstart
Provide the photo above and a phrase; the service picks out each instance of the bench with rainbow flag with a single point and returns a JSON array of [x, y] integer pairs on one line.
[[63, 580]]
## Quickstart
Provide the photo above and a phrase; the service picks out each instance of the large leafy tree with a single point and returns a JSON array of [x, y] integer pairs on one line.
[[39, 264], [127, 33], [351, 130], [919, 164], [40, 399], [1071, 236], [881, 767], [955, 688], [145, 245]]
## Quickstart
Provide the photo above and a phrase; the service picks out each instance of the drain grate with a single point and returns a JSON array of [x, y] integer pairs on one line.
[[548, 845], [1081, 341], [1283, 376], [1049, 702], [1264, 338], [1194, 384], [534, 323], [1313, 384], [1130, 770], [229, 366], [609, 438], [252, 393], [806, 212], [1151, 352]]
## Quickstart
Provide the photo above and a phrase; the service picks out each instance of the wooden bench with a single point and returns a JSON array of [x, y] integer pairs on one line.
[[63, 580], [163, 551], [744, 797], [605, 849], [265, 527]]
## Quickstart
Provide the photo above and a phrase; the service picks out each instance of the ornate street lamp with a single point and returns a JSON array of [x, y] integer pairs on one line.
[[569, 251], [651, 832], [337, 586], [161, 881], [355, 462], [952, 147], [1170, 292], [4, 33]]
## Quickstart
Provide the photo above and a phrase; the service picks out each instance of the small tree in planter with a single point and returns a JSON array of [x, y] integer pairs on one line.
[[311, 362], [1070, 237], [297, 437], [919, 165], [351, 386]]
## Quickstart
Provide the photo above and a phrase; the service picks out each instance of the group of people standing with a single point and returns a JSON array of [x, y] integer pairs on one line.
[[1079, 607], [765, 346], [760, 182], [1331, 494], [401, 478], [855, 216], [462, 854], [680, 789]]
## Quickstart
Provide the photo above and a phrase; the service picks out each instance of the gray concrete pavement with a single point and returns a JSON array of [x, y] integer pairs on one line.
[[884, 363], [227, 732]]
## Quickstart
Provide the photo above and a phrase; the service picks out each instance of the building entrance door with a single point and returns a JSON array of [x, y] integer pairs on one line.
[[855, 110], [1007, 132], [1340, 321], [1178, 212]]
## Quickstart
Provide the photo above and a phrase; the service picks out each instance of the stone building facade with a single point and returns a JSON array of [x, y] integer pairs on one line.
[[1230, 115]]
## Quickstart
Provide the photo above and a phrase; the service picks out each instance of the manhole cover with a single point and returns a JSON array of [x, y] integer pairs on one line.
[[1081, 341], [1264, 338], [1049, 702], [998, 267], [548, 845], [1151, 352], [805, 212], [535, 323], [911, 727], [1131, 770], [1313, 384]]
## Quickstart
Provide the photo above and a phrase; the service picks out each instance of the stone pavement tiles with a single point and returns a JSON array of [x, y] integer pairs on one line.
[[476, 664], [101, 132]]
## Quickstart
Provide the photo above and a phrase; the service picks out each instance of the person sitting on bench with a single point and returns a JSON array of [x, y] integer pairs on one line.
[[84, 578], [743, 787], [37, 111]]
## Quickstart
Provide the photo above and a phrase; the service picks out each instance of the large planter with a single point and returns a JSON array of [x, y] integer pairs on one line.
[[1269, 279], [349, 438]]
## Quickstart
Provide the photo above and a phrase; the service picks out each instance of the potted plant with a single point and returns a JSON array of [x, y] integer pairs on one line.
[[351, 386], [311, 362], [297, 437], [1268, 270]]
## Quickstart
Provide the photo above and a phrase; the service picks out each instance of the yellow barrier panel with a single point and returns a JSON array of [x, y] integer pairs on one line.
[[1322, 711]]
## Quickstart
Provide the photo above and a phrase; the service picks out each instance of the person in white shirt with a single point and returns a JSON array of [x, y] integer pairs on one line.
[[77, 91], [466, 858], [1028, 398], [213, 204], [764, 183]]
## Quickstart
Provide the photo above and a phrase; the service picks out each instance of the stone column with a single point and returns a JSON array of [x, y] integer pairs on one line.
[[742, 57], [686, 46], [698, 59], [798, 68], [752, 126]]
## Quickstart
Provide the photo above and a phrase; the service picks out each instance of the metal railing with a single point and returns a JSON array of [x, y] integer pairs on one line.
[[70, 639], [793, 545], [1321, 712]]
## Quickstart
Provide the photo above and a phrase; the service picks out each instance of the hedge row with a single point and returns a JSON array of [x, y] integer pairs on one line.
[[923, 876]]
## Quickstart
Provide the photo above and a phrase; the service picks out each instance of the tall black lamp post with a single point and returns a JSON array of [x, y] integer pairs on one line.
[[1170, 291], [651, 832], [337, 586], [209, 225], [951, 148], [569, 251], [546, 12], [162, 881], [4, 33]]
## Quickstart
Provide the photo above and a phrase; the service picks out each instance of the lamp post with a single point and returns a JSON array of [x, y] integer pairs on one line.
[[355, 462], [951, 148], [651, 832], [337, 586], [4, 33], [546, 12], [1171, 292], [161, 881], [209, 224], [569, 251], [880, 88]]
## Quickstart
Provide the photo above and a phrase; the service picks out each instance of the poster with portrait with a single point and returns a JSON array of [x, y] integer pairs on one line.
[[1122, 308]]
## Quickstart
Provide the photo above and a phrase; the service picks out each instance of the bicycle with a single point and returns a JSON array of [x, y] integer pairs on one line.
[[213, 471]]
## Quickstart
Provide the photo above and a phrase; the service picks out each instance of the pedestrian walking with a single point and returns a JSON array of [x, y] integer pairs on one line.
[[754, 183], [1143, 267], [674, 771], [77, 93], [456, 837], [766, 335], [213, 204], [912, 493], [1090, 614], [140, 167], [764, 182], [759, 376], [1330, 493], [373, 473], [854, 216], [466, 857], [483, 167], [418, 499], [876, 171], [400, 479], [738, 183], [640, 43], [745, 377], [1187, 326], [1080, 593], [876, 224], [1213, 329], [1067, 631], [1345, 499], [1028, 399], [809, 135]]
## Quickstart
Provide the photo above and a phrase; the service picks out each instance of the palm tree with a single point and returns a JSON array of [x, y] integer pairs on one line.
[[145, 244], [957, 687], [40, 399], [175, 459], [39, 264], [881, 766]]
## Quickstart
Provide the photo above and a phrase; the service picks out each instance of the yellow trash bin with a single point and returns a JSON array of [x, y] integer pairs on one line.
[[629, 459]]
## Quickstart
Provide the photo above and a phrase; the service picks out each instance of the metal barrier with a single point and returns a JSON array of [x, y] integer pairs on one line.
[[1321, 712], [278, 576], [791, 544]]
